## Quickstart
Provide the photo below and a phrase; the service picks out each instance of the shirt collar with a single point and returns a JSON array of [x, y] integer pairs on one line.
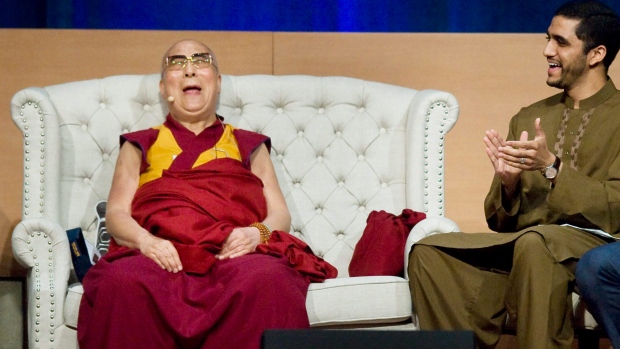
[[608, 90]]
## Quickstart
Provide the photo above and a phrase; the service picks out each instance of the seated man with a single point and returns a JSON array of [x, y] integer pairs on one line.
[[192, 202], [556, 187], [598, 280]]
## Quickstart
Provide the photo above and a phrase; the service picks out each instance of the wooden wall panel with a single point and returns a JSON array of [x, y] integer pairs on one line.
[[46, 57], [491, 75]]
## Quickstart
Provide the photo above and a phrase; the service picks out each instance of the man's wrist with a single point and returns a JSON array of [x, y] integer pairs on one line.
[[551, 171]]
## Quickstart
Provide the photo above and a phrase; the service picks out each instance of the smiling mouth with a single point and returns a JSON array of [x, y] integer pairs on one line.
[[192, 88], [554, 65]]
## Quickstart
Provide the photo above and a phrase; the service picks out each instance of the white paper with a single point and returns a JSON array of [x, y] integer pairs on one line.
[[596, 232]]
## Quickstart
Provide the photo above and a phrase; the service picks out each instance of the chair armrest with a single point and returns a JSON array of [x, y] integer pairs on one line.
[[42, 247], [426, 227]]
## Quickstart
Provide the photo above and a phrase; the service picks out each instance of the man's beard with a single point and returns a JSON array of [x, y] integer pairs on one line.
[[570, 73]]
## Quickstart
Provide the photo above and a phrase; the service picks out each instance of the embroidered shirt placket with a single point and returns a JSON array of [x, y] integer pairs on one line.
[[561, 136]]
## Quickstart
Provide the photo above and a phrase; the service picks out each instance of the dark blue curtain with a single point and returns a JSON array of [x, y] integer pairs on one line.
[[475, 16]]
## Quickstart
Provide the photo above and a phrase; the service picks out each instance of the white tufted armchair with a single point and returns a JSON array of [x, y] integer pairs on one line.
[[342, 148]]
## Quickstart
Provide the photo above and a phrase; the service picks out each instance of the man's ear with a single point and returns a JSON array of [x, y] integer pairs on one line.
[[596, 55]]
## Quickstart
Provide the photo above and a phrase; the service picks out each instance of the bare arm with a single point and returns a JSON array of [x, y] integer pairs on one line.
[[278, 216], [245, 239], [125, 230]]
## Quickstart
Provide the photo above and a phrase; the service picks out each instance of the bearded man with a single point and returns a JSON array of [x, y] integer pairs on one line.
[[555, 195]]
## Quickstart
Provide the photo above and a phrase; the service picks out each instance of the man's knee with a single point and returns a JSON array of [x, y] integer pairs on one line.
[[418, 255], [128, 272], [529, 241], [588, 272], [587, 263], [421, 252], [597, 263]]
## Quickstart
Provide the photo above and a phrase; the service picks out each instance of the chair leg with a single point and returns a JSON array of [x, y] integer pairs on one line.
[[588, 339]]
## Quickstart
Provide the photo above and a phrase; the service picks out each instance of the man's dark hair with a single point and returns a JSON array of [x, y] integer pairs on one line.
[[599, 25]]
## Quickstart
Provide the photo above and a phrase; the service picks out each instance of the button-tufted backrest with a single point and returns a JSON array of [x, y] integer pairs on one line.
[[341, 147]]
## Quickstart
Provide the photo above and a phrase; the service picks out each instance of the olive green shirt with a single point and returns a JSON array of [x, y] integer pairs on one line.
[[587, 189]]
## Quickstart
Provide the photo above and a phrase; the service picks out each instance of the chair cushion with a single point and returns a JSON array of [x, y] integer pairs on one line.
[[359, 300], [342, 301], [72, 304]]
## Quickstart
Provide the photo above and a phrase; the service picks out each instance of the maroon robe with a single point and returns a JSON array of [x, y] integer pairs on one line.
[[130, 302]]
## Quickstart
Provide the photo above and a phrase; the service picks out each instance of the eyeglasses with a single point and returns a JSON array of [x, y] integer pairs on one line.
[[199, 60]]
